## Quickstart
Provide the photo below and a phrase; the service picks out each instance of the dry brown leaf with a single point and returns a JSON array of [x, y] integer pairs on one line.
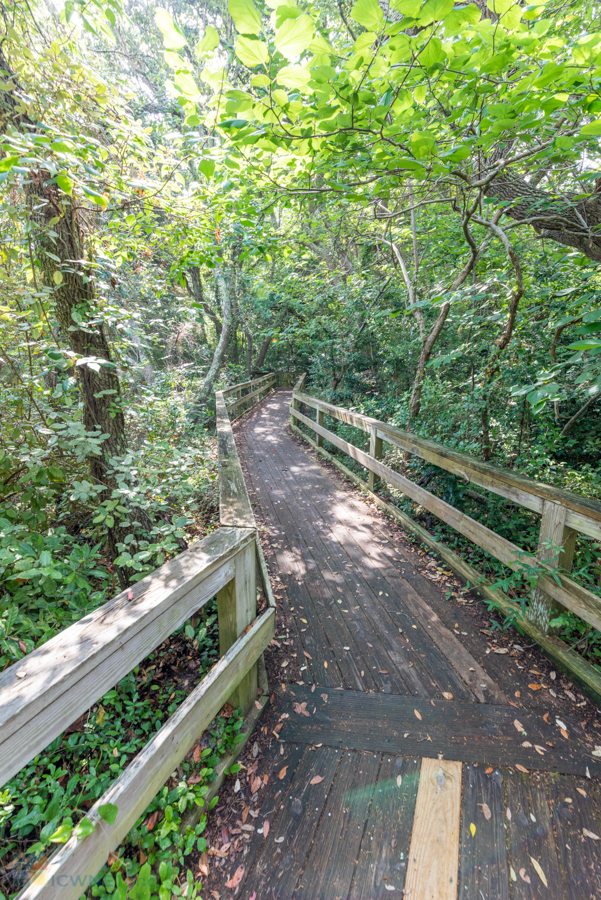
[[591, 835], [581, 791], [203, 865], [308, 655], [546, 718], [525, 877], [489, 770], [265, 828], [447, 695], [325, 665], [418, 714], [236, 878], [535, 687], [539, 871], [383, 672], [245, 813], [565, 734], [518, 724], [255, 785], [324, 697], [282, 773], [196, 754], [317, 779], [521, 768], [486, 811], [540, 750]]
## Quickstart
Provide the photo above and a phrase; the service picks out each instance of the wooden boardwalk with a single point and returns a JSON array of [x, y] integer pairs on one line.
[[405, 768]]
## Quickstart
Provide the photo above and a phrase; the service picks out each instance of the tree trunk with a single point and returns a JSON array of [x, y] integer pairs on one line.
[[424, 356], [220, 350], [262, 355]]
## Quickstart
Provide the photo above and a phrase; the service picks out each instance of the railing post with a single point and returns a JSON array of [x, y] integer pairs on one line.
[[237, 609], [554, 532], [375, 450], [319, 420], [294, 405]]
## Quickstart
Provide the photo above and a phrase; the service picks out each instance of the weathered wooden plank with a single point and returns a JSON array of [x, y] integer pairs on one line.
[[250, 396], [531, 840], [242, 384], [567, 660], [434, 852], [583, 514], [234, 503], [468, 732], [382, 861], [331, 863], [483, 867], [553, 533], [61, 879], [237, 608], [52, 686], [574, 810], [278, 867]]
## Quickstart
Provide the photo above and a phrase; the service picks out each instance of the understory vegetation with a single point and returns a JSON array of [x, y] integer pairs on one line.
[[400, 198]]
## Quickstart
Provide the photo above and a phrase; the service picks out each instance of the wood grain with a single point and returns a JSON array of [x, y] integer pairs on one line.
[[434, 851], [234, 503]]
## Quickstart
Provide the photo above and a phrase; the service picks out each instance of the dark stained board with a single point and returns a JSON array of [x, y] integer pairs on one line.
[[575, 810], [469, 732], [531, 839], [384, 849], [483, 869]]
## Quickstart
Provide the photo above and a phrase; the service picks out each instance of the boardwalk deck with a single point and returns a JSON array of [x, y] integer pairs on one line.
[[404, 770]]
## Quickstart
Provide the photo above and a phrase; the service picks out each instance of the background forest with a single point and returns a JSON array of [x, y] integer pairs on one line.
[[399, 198]]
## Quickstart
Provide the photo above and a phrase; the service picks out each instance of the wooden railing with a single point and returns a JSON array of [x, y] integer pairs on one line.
[[563, 515], [247, 392], [51, 687]]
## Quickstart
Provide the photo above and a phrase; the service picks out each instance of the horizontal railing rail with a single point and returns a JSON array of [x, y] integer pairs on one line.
[[563, 514], [47, 690]]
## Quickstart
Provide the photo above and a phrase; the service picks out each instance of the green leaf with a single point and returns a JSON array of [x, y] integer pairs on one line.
[[369, 14], [62, 834], [409, 8], [593, 128], [65, 184], [464, 15], [294, 36], [251, 52], [435, 11], [8, 162], [94, 196], [173, 39], [293, 76], [422, 143], [208, 42], [84, 828], [590, 344], [432, 53], [187, 85], [108, 812], [247, 18], [207, 167]]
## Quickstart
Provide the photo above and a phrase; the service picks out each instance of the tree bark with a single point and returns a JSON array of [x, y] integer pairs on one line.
[[262, 354], [220, 350]]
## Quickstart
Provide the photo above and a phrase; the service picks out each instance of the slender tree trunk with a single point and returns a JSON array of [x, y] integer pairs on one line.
[[428, 345], [220, 350], [263, 349]]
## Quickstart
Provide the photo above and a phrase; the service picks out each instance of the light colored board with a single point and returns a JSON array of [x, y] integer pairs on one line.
[[68, 673], [264, 575], [143, 778], [236, 609], [583, 514], [433, 865], [234, 502], [567, 592], [375, 450], [567, 660], [553, 533], [243, 384]]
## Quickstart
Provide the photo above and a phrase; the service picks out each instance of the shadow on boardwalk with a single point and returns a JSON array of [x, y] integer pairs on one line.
[[402, 765]]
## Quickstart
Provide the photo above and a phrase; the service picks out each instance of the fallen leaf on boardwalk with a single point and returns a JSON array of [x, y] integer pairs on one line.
[[591, 835], [255, 785], [312, 688], [325, 665], [540, 750], [525, 877], [279, 840], [253, 896], [236, 878], [535, 687], [390, 887], [518, 724], [258, 705], [196, 754], [308, 655], [265, 828], [526, 744], [418, 714], [301, 709], [472, 829], [521, 769], [581, 791], [486, 811], [316, 779], [383, 672], [514, 877], [539, 871], [447, 695], [130, 595], [565, 734], [509, 814], [546, 718], [399, 780], [596, 751], [324, 697], [282, 773], [489, 770]]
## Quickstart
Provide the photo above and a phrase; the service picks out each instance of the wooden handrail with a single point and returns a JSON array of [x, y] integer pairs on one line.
[[49, 688], [563, 513]]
